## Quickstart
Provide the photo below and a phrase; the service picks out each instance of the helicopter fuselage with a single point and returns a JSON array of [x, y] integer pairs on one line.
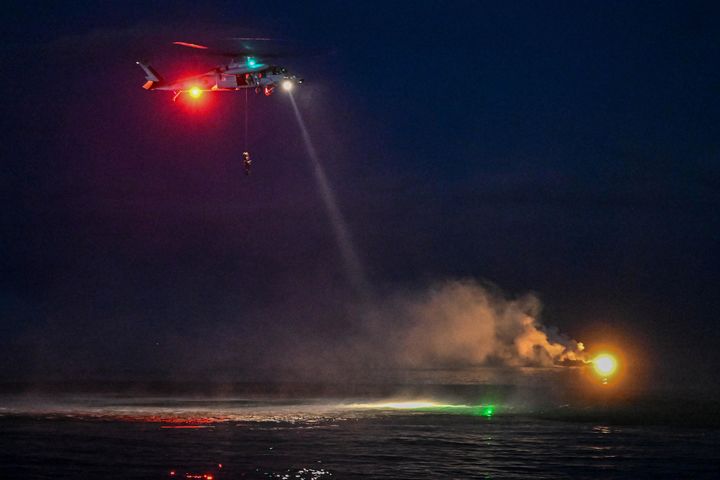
[[234, 76]]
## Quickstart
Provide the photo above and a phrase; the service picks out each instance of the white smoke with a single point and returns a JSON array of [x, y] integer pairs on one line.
[[464, 323], [439, 333]]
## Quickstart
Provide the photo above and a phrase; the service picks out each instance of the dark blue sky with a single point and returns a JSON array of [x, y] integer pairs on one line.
[[565, 148]]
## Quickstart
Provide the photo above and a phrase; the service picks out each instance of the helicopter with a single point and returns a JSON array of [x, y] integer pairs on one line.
[[245, 70]]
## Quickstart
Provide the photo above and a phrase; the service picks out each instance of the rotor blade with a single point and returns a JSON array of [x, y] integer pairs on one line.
[[191, 45], [261, 47], [267, 48], [248, 53], [261, 39]]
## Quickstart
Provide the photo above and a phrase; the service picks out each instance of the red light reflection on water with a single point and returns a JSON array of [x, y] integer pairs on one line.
[[186, 426], [199, 476], [174, 422], [196, 476]]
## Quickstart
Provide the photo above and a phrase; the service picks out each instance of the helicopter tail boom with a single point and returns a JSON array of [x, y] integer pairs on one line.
[[153, 78]]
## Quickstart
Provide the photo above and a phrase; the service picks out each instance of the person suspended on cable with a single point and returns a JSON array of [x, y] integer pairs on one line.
[[247, 163]]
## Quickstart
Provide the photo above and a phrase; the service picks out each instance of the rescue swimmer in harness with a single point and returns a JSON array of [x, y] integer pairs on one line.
[[247, 163]]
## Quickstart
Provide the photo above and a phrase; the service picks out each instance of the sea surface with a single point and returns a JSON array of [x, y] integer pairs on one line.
[[156, 437]]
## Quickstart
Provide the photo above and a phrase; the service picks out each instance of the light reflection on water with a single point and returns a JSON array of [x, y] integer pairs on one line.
[[199, 413], [111, 437]]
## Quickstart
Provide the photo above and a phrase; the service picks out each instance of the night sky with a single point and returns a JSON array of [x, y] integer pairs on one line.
[[571, 149]]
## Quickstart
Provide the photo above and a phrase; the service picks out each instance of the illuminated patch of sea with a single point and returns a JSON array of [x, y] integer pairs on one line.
[[157, 438]]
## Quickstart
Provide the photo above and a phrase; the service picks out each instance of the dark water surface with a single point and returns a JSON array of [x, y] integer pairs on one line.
[[108, 437]]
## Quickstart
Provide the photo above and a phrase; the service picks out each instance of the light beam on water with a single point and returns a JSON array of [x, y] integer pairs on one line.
[[428, 406], [353, 268]]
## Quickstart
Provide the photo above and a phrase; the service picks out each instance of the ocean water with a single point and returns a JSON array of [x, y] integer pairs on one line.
[[108, 437]]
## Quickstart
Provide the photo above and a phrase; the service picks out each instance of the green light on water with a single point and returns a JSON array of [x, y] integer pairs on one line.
[[476, 410], [251, 62]]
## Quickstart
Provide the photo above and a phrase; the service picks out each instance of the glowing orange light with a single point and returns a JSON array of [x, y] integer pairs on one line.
[[605, 365], [195, 92]]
